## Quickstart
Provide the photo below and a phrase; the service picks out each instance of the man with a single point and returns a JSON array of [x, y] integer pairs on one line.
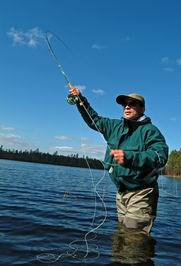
[[136, 150]]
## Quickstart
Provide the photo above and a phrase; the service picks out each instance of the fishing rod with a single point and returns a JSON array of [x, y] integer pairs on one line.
[[71, 99]]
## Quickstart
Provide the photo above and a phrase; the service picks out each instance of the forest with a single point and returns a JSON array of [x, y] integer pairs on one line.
[[36, 156], [173, 167]]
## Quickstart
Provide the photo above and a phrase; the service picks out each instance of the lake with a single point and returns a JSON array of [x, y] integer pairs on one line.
[[56, 215]]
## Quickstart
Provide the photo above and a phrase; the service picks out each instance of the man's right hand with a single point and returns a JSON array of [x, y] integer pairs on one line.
[[74, 91]]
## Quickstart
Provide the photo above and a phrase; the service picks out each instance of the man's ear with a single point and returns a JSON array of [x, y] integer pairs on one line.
[[142, 109]]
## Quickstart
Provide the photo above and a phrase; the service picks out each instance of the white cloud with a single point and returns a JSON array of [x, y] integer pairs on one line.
[[173, 119], [165, 60], [10, 140], [70, 138], [13, 141], [5, 128], [98, 92], [126, 38], [64, 148], [168, 69], [85, 139], [82, 145], [92, 151], [170, 63], [62, 137], [97, 46], [178, 61], [30, 38]]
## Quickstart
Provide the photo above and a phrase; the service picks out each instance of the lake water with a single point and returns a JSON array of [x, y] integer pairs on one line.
[[55, 215]]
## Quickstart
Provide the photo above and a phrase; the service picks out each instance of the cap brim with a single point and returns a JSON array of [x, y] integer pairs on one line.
[[121, 99]]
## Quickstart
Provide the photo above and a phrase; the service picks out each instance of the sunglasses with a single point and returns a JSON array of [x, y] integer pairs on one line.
[[131, 103]]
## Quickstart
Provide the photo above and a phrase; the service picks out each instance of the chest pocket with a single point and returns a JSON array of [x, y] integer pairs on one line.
[[136, 148], [133, 141]]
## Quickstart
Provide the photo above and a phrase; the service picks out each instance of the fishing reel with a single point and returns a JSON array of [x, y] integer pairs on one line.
[[71, 99]]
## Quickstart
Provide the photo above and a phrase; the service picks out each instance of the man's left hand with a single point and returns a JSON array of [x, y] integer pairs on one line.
[[119, 156]]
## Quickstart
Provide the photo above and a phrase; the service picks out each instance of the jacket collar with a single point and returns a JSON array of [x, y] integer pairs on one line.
[[135, 123]]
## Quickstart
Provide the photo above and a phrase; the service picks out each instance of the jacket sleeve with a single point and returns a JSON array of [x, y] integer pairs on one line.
[[92, 119], [153, 157]]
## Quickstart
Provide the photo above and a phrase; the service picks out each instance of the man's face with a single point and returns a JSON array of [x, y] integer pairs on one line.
[[132, 110]]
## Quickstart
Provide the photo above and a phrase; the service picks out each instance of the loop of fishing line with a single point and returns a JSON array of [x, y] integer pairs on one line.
[[51, 258]]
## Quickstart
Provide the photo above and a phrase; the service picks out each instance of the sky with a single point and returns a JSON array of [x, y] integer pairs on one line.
[[107, 48]]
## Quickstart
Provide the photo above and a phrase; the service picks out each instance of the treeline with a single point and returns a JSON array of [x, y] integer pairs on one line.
[[39, 157], [173, 167]]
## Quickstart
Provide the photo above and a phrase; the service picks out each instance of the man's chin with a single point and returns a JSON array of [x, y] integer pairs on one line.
[[129, 117]]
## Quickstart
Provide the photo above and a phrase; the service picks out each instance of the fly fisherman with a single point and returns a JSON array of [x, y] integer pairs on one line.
[[136, 150]]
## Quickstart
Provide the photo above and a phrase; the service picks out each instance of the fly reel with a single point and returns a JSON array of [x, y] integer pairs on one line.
[[71, 99]]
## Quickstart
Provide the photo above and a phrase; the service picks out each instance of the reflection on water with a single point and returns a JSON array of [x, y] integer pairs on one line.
[[130, 246]]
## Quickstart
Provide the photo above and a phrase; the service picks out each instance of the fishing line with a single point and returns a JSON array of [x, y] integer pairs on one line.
[[49, 35], [50, 257]]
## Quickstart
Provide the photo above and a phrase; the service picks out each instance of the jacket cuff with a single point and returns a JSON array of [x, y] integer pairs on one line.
[[129, 157], [81, 99]]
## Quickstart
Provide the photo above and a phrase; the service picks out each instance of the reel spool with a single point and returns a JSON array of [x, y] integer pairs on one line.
[[72, 99]]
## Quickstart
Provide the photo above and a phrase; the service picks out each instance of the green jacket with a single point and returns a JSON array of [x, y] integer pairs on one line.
[[145, 148]]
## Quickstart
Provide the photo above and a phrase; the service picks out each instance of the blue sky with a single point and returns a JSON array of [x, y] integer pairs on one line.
[[115, 47]]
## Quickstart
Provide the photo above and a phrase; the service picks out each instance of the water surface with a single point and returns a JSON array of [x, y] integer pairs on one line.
[[55, 215]]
